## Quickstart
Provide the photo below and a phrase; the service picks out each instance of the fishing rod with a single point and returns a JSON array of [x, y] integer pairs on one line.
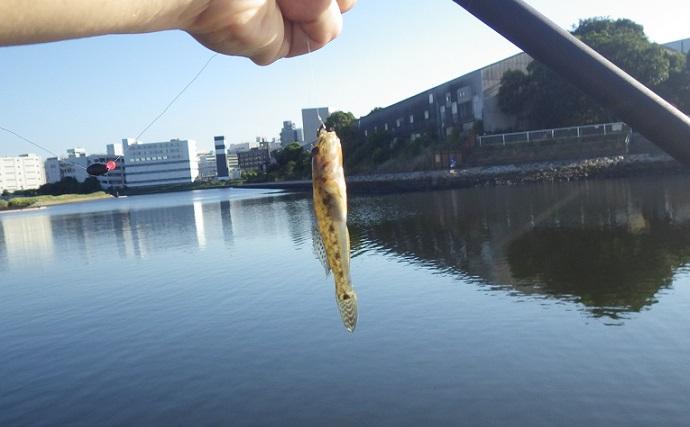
[[645, 111]]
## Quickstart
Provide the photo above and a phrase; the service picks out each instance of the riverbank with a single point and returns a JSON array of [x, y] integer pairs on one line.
[[550, 171], [35, 202]]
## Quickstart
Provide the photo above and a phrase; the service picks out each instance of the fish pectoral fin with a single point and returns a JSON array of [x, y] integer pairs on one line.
[[319, 249]]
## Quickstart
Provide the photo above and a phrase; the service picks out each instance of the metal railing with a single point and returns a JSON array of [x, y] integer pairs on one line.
[[618, 128]]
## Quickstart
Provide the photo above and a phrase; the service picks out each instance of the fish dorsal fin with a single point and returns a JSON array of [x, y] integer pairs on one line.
[[319, 249]]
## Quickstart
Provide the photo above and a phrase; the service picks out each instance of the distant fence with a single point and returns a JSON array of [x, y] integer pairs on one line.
[[541, 135]]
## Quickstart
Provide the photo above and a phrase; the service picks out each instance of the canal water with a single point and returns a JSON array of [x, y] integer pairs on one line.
[[540, 305]]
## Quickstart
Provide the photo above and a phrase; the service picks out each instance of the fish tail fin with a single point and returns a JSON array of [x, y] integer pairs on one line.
[[347, 305]]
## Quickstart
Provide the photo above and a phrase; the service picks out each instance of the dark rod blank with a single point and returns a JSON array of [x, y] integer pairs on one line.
[[642, 109]]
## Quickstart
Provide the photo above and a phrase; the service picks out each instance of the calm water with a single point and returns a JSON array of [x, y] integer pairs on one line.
[[563, 304]]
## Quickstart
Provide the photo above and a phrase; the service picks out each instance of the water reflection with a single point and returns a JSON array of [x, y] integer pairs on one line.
[[32, 238], [25, 239], [611, 246]]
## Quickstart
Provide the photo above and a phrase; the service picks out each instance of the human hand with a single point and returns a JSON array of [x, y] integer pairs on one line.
[[267, 30]]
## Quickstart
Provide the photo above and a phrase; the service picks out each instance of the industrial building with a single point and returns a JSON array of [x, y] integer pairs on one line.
[[160, 163], [23, 172], [454, 106]]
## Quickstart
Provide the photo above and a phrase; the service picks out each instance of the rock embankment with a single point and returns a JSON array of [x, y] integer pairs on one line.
[[566, 170]]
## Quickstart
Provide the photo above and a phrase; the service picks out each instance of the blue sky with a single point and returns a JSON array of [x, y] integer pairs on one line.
[[93, 92]]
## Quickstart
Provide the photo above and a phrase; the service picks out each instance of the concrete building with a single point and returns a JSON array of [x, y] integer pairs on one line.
[[76, 162], [114, 150], [207, 165], [454, 106], [114, 179], [682, 46], [254, 159], [233, 161], [221, 158], [160, 163], [291, 133], [234, 171], [52, 170], [243, 146], [311, 122], [23, 172], [265, 144]]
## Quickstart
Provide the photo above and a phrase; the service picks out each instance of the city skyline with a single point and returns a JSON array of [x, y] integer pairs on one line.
[[111, 87]]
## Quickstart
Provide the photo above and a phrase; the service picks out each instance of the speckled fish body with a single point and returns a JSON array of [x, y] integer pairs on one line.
[[330, 207]]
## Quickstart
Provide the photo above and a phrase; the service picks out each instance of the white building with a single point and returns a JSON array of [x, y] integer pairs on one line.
[[76, 163], [53, 171], [311, 122], [114, 179], [24, 172], [160, 163], [207, 165]]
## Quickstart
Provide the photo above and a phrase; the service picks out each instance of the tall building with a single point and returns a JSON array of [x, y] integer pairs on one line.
[[23, 172], [455, 106], [311, 122], [160, 163], [290, 133], [221, 158]]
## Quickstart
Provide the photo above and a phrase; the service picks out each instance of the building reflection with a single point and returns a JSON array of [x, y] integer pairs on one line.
[[226, 222], [26, 239], [611, 245], [199, 224]]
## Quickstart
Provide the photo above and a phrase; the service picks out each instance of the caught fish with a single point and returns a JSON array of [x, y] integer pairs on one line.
[[332, 241]]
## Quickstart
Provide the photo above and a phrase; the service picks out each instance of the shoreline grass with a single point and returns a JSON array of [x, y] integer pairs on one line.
[[19, 203]]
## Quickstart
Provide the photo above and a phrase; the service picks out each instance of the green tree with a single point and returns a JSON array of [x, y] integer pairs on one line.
[[292, 162], [340, 120], [541, 98], [90, 185], [677, 88]]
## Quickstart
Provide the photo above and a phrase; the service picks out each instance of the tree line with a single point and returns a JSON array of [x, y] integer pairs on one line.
[[539, 98]]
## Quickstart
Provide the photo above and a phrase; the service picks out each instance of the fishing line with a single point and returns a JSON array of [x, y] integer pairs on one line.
[[313, 80], [147, 127], [184, 89], [22, 137]]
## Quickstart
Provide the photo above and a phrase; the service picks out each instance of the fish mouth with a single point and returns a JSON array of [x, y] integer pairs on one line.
[[347, 306]]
